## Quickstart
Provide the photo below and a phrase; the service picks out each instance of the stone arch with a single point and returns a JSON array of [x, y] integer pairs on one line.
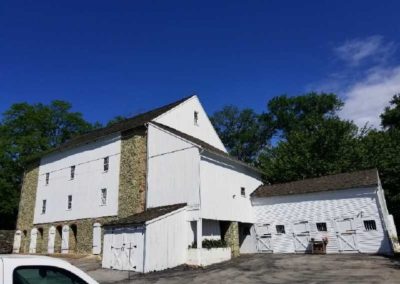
[[17, 241], [58, 239], [40, 241], [33, 240], [52, 238], [73, 238], [65, 239], [24, 242]]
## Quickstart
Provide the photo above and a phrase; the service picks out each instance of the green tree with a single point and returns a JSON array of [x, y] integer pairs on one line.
[[243, 132], [26, 131], [116, 119], [302, 112], [327, 147], [391, 116]]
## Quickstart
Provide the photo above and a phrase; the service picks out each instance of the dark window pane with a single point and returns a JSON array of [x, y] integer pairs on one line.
[[370, 225], [280, 229], [321, 227], [45, 275]]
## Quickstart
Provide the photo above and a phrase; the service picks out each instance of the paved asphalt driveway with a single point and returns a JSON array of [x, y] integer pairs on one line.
[[271, 268]]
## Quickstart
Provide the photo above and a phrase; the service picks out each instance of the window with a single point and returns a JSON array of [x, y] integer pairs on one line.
[[280, 229], [44, 206], [69, 205], [47, 178], [106, 164], [243, 191], [196, 118], [321, 227], [44, 274], [72, 172], [103, 196], [370, 225]]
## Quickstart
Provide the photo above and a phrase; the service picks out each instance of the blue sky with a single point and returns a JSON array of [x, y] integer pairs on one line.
[[113, 58]]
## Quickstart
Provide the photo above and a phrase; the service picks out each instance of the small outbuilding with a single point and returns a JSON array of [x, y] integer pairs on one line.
[[342, 213], [151, 240]]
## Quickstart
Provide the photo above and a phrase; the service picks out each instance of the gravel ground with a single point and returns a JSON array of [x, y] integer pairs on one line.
[[266, 268]]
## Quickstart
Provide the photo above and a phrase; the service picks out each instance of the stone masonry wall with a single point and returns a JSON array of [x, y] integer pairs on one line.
[[6, 241], [232, 238], [132, 189], [132, 177], [28, 197]]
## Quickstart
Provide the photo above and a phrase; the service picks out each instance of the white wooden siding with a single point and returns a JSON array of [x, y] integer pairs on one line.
[[329, 207], [181, 118], [173, 169], [85, 187], [221, 182], [166, 241]]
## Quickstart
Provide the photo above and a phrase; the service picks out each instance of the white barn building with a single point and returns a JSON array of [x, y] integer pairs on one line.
[[346, 211], [145, 193]]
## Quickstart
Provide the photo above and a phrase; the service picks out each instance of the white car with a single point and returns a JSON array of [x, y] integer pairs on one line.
[[34, 269]]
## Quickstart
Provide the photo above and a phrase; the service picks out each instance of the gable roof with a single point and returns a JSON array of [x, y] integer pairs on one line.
[[130, 123], [143, 217], [359, 179], [205, 145]]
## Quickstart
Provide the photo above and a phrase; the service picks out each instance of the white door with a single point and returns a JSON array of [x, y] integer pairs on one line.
[[17, 242], [32, 244], [116, 248], [263, 237], [96, 238], [346, 234], [65, 239], [301, 236], [127, 249], [52, 237]]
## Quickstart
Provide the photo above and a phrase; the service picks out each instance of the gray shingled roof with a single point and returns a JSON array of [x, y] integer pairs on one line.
[[359, 179], [134, 122], [143, 217], [205, 145]]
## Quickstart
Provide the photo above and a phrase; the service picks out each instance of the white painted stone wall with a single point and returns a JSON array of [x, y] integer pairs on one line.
[[221, 182], [85, 187], [182, 119], [205, 257], [173, 169]]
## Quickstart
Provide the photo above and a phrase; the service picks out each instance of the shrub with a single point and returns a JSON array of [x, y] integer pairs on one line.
[[209, 244]]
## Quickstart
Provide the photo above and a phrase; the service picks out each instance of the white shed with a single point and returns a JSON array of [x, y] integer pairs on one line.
[[152, 240], [345, 211]]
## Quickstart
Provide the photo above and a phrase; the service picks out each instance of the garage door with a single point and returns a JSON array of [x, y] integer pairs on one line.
[[124, 248]]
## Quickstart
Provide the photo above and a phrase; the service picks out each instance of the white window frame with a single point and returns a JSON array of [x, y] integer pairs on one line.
[[69, 202], [196, 118], [103, 196], [44, 206], [47, 178], [243, 191], [106, 164], [72, 173]]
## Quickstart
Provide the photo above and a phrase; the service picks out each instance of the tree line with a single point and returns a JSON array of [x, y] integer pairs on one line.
[[294, 138], [304, 137]]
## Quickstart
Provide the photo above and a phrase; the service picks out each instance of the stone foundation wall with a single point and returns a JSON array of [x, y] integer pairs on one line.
[[231, 236], [6, 241]]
